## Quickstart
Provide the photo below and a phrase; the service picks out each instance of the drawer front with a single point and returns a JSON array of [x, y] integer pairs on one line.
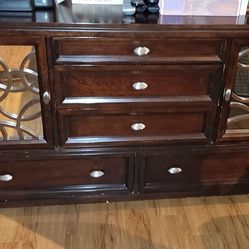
[[91, 127], [118, 49], [87, 173], [194, 171], [80, 83]]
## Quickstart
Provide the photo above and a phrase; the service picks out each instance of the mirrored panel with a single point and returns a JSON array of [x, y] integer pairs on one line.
[[20, 109], [242, 76], [239, 115]]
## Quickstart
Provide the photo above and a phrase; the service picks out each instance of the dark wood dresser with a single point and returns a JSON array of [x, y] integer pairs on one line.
[[119, 111]]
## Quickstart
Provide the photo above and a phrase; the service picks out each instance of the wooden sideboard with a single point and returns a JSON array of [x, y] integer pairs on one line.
[[123, 111]]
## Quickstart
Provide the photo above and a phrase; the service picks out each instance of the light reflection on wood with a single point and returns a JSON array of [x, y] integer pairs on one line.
[[190, 223]]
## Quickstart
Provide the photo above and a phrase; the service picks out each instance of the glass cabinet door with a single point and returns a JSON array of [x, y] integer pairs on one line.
[[238, 120], [20, 108], [237, 126], [21, 118]]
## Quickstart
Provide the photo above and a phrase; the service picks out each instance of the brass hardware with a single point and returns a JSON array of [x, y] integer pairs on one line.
[[227, 94], [96, 173], [46, 97], [140, 51], [139, 86], [138, 126], [6, 178], [174, 170]]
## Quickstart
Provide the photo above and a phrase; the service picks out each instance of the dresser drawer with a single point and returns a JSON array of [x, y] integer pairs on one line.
[[90, 127], [123, 49], [77, 84], [193, 171], [89, 173]]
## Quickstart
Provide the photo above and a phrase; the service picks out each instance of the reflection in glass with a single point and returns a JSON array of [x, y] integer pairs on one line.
[[239, 115], [242, 77], [20, 110]]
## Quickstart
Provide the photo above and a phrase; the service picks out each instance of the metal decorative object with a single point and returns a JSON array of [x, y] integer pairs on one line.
[[242, 54], [97, 173], [240, 106], [139, 86], [227, 94], [138, 126], [140, 51], [6, 178], [20, 80], [240, 103], [175, 170]]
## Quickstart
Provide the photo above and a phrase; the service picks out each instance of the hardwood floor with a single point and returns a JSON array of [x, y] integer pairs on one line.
[[191, 223]]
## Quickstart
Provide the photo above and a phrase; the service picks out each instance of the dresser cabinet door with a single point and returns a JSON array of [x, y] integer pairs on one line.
[[25, 117], [45, 177], [142, 125], [234, 124], [194, 172], [118, 88], [134, 48], [91, 85]]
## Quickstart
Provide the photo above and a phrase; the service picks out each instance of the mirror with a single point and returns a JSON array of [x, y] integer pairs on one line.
[[20, 109]]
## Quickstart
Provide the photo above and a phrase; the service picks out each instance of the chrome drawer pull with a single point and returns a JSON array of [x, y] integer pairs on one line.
[[96, 173], [140, 51], [46, 97], [137, 126], [139, 86], [6, 178], [227, 94], [175, 170]]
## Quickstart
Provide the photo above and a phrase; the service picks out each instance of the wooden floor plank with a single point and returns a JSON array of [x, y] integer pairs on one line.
[[191, 223]]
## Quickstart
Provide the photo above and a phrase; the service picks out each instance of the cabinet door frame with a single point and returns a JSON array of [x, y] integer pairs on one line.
[[40, 47], [230, 82]]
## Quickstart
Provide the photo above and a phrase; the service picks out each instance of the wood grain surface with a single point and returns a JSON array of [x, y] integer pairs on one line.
[[191, 223]]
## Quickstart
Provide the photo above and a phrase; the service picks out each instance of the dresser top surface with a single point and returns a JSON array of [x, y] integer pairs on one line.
[[81, 16]]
